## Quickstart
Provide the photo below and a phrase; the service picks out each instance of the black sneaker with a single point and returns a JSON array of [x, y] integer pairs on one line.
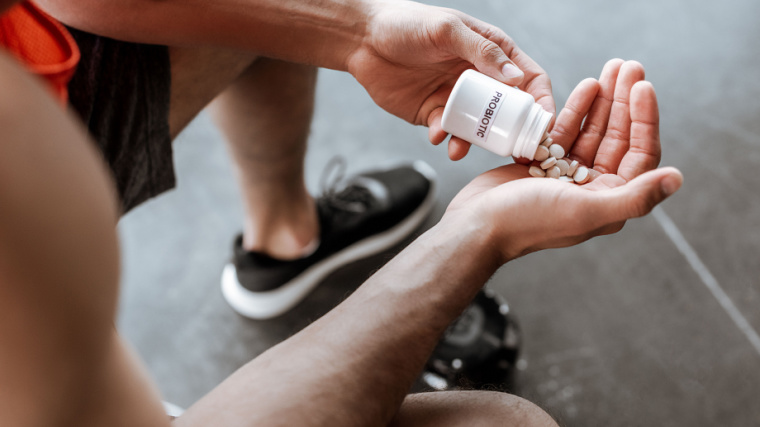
[[479, 350], [358, 217]]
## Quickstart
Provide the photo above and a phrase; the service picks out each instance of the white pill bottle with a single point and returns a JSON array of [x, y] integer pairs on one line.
[[494, 116]]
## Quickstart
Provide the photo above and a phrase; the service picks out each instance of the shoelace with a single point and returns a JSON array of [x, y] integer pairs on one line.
[[348, 198]]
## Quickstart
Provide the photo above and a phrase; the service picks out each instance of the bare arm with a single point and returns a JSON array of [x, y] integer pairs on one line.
[[407, 55], [355, 365], [319, 32], [61, 363]]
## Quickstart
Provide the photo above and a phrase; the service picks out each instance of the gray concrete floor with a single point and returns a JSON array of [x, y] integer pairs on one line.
[[652, 326]]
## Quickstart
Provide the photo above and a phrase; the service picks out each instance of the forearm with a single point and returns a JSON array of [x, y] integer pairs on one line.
[[59, 270], [317, 32], [355, 365]]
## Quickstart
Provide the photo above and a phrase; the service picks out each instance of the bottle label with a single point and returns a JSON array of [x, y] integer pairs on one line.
[[483, 126]]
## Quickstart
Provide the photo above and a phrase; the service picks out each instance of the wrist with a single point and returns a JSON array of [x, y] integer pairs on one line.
[[497, 238], [375, 16], [362, 44], [349, 25], [474, 240]]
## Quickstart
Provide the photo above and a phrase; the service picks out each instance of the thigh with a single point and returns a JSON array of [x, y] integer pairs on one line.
[[261, 90], [198, 75], [135, 98], [120, 91], [471, 409]]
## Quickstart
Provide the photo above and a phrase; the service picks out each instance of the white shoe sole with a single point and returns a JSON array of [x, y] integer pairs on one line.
[[268, 304]]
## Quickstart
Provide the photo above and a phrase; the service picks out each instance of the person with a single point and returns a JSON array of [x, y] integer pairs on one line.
[[145, 61], [290, 240], [138, 85], [63, 363]]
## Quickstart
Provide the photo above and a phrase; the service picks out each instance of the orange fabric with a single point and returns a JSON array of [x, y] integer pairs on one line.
[[42, 44]]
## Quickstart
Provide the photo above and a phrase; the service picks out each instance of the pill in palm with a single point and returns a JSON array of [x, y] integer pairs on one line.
[[563, 166], [542, 153], [557, 151], [537, 172], [581, 175], [546, 164], [572, 168], [547, 142]]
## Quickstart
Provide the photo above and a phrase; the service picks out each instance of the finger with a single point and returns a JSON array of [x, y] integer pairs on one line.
[[644, 152], [636, 198], [593, 174], [436, 134], [487, 56], [610, 229], [536, 81], [458, 148], [436, 101], [524, 161], [571, 116], [617, 137], [587, 143]]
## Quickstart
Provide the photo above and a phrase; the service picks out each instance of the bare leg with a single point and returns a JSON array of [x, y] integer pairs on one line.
[[471, 409], [266, 115], [264, 110]]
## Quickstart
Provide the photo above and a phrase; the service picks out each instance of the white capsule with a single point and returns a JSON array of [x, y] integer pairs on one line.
[[547, 142], [557, 151], [573, 167], [537, 172], [566, 179], [542, 153], [553, 172], [581, 175], [546, 164], [563, 166]]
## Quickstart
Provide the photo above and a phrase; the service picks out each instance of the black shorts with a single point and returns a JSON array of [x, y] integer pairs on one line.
[[121, 91]]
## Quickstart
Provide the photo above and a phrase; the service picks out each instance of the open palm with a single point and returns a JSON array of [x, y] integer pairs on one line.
[[610, 125]]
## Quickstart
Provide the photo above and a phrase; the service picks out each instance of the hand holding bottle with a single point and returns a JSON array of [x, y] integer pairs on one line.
[[619, 139], [412, 54]]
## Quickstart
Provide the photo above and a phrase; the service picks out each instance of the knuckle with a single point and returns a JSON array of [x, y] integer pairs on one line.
[[638, 207], [649, 157], [563, 130], [617, 134], [592, 128], [496, 34], [488, 49], [608, 229], [448, 25]]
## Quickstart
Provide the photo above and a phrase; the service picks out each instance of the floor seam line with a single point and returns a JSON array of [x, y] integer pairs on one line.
[[683, 246]]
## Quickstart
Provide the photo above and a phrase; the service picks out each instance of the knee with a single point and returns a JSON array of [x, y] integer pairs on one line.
[[506, 409], [470, 408]]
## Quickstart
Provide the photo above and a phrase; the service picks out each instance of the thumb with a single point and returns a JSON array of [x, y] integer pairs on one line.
[[640, 195], [486, 55]]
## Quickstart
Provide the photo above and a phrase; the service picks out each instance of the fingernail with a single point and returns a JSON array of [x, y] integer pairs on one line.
[[510, 71], [671, 183]]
